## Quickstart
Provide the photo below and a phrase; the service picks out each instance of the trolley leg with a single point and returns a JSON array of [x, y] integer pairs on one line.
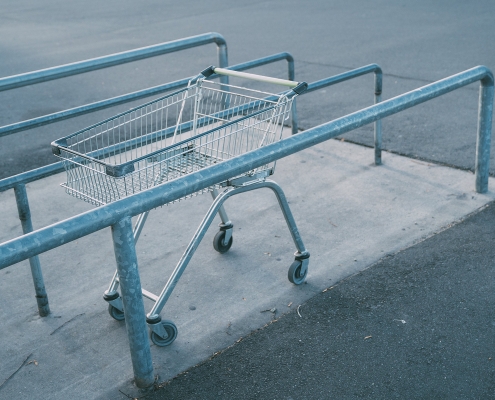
[[298, 269], [226, 226], [127, 268], [34, 262], [186, 257], [289, 218]]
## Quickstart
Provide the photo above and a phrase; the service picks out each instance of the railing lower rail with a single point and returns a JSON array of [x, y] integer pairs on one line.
[[80, 67]]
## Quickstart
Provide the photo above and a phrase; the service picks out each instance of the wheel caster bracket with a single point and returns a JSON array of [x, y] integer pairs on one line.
[[304, 259], [228, 229], [115, 300], [162, 333], [223, 239], [157, 327]]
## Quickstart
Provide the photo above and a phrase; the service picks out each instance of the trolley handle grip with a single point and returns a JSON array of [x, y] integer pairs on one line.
[[296, 86]]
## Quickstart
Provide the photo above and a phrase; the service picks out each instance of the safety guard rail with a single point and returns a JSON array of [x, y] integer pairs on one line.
[[118, 214]]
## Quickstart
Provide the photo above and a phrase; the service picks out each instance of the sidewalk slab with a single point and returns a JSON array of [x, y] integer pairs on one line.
[[350, 214]]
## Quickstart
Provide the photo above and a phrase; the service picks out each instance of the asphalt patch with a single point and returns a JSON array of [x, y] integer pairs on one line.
[[418, 324]]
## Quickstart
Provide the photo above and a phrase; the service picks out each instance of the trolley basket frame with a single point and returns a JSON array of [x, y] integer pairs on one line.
[[138, 149]]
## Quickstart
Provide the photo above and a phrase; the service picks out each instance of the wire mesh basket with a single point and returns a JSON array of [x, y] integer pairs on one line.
[[177, 134]]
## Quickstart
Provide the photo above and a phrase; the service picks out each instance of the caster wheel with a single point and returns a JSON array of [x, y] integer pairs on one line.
[[171, 330], [218, 244], [115, 313], [295, 275]]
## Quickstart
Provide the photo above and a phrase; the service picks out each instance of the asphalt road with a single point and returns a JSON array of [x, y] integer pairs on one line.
[[417, 325], [414, 42]]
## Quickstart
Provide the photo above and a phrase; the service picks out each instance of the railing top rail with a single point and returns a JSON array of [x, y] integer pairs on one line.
[[354, 73], [55, 235], [43, 75]]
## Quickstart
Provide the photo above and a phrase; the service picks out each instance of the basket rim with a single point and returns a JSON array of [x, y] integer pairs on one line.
[[119, 170]]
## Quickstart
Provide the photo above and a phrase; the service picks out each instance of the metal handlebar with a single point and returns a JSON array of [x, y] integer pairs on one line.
[[260, 78], [255, 77]]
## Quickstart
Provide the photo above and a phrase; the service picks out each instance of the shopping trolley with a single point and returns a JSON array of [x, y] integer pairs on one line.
[[201, 125]]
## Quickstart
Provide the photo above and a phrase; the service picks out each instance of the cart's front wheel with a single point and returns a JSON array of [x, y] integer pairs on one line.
[[218, 242], [295, 276], [171, 330], [115, 313]]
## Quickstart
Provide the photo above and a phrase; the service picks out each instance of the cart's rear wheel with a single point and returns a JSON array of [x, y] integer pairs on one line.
[[218, 242], [171, 330], [115, 313], [295, 276]]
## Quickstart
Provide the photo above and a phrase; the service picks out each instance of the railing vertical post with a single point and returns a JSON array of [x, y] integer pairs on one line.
[[130, 286], [223, 61], [292, 77], [27, 227], [378, 123], [485, 111]]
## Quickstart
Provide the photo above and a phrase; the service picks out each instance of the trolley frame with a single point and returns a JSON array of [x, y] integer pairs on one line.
[[102, 168]]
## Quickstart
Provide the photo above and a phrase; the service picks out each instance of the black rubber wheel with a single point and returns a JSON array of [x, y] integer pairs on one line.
[[295, 275], [171, 330], [218, 244], [115, 313]]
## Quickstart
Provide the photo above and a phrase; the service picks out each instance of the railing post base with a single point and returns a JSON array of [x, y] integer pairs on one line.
[[43, 306]]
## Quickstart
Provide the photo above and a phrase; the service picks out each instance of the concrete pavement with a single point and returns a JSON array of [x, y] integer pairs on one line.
[[350, 214]]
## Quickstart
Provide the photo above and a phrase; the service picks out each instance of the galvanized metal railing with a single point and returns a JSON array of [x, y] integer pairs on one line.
[[140, 94], [18, 182], [118, 214]]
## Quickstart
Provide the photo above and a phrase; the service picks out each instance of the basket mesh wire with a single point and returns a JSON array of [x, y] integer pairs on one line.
[[172, 136]]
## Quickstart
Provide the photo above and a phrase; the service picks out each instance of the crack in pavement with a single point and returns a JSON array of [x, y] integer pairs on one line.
[[66, 322], [16, 371]]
